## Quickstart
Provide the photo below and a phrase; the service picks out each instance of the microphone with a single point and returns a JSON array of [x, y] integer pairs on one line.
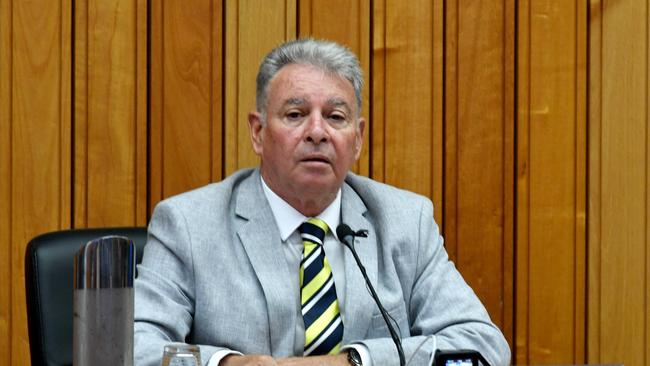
[[346, 236]]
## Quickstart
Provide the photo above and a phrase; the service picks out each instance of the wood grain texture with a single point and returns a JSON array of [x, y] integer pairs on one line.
[[509, 172], [110, 131], [438, 108], [406, 86], [522, 224], [6, 281], [377, 89], [348, 23], [40, 140], [141, 113], [618, 155], [217, 54], [253, 28], [450, 207], [441, 103], [80, 106], [476, 179], [186, 124], [581, 248], [594, 179], [408, 76], [551, 183]]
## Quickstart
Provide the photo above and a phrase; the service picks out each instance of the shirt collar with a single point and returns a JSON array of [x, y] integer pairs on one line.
[[288, 219]]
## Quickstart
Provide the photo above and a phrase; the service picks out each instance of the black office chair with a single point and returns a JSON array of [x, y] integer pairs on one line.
[[49, 266]]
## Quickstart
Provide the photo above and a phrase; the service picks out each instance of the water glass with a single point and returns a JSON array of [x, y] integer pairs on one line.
[[181, 355]]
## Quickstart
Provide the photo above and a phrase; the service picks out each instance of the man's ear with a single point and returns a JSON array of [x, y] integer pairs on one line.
[[358, 141], [256, 127]]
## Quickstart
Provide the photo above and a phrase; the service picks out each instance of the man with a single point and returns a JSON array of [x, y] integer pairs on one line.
[[250, 268]]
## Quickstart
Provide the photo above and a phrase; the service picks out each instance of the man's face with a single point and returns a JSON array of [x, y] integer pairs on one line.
[[312, 134]]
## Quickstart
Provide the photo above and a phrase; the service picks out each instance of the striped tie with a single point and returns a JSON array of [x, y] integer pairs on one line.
[[320, 308]]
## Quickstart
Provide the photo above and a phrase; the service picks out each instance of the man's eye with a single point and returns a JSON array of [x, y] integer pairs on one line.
[[337, 120], [337, 117], [294, 115]]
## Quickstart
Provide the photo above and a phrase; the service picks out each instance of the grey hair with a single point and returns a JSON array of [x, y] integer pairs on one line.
[[325, 55]]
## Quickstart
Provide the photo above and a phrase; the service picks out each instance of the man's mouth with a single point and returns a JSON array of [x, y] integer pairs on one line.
[[316, 159]]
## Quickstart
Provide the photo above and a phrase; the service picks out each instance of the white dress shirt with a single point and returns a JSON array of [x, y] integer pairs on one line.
[[288, 220]]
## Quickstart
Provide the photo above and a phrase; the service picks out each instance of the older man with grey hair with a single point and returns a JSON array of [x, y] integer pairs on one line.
[[251, 270]]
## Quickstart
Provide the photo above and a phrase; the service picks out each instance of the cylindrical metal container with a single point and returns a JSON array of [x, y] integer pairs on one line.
[[104, 269]]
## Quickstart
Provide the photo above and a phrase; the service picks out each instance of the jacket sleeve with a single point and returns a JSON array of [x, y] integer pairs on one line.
[[165, 289], [443, 311]]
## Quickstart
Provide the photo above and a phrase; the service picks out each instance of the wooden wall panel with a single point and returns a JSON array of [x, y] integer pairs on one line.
[[441, 104], [6, 281], [39, 140], [551, 182], [406, 85], [346, 22], [619, 159], [186, 96], [253, 28], [438, 106], [479, 150], [510, 176], [110, 126], [403, 133]]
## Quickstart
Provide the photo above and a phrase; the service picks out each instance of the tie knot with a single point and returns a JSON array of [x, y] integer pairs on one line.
[[313, 230]]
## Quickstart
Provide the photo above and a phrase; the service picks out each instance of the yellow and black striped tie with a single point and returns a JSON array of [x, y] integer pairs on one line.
[[320, 307]]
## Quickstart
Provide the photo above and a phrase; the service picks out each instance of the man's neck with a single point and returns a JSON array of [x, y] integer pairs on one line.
[[288, 218], [305, 204]]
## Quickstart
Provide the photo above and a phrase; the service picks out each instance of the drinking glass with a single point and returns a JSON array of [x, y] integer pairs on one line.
[[181, 355]]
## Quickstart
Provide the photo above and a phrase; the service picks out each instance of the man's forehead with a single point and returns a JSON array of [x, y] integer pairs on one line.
[[302, 84], [299, 75]]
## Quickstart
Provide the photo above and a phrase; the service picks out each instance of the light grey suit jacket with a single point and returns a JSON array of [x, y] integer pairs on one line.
[[214, 274]]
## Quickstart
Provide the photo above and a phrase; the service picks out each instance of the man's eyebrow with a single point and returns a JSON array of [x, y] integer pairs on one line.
[[339, 102], [295, 101]]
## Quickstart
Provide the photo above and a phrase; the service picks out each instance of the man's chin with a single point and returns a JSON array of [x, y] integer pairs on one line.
[[318, 183]]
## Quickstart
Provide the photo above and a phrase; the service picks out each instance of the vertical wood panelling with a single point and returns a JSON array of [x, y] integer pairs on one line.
[[440, 100], [618, 230], [217, 54], [6, 281], [253, 28], [594, 225], [450, 207], [522, 260], [408, 127], [80, 106], [377, 89], [438, 106], [509, 173], [109, 128], [581, 248], [141, 113], [406, 86], [551, 189], [346, 22], [40, 139], [186, 127], [477, 181]]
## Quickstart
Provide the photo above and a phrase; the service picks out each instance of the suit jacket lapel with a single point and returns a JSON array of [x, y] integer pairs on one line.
[[261, 240], [358, 302]]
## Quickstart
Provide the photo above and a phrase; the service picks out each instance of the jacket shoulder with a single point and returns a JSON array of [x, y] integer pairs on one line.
[[211, 195], [371, 190]]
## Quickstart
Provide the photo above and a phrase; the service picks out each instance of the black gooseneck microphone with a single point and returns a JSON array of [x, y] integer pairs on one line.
[[346, 236]]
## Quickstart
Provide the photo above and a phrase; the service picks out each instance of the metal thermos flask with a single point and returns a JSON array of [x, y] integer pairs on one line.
[[103, 302]]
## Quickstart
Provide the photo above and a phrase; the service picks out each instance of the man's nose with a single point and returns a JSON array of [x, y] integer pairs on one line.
[[317, 129]]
